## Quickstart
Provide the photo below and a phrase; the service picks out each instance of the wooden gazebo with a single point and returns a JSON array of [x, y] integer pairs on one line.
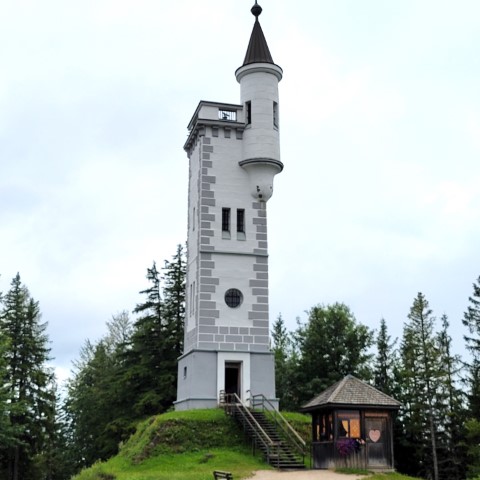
[[352, 426]]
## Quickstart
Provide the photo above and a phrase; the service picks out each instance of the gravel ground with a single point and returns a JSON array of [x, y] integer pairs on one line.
[[303, 475]]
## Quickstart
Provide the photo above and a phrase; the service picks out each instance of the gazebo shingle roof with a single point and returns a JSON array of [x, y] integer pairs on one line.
[[351, 391]]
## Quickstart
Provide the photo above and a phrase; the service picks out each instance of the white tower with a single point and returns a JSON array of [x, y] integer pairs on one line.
[[234, 153]]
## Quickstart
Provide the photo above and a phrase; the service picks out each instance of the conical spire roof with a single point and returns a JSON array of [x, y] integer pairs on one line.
[[257, 51]]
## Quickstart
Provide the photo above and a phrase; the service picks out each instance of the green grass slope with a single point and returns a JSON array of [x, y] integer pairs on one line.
[[190, 446], [180, 446], [390, 476]]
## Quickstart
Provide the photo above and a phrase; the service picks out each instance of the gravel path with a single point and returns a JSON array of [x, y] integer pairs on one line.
[[303, 475]]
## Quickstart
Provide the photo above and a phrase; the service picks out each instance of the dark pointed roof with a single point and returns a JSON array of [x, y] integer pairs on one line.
[[257, 51], [351, 392]]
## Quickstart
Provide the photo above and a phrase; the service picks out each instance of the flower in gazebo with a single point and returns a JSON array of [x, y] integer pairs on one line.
[[347, 446]]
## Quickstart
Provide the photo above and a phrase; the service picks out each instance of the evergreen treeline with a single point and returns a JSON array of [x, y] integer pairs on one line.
[[126, 376], [437, 431], [130, 374]]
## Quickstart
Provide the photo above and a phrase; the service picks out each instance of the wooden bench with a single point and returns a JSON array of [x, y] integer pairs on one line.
[[219, 475]]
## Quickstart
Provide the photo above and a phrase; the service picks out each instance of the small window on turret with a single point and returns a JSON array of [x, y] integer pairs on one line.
[[240, 224], [225, 223], [275, 114], [230, 115], [248, 113], [240, 220]]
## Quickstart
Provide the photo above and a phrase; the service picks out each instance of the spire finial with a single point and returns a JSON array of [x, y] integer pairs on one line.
[[256, 10]]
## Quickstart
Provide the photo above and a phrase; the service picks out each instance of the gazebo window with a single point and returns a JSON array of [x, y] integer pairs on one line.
[[348, 424], [324, 428]]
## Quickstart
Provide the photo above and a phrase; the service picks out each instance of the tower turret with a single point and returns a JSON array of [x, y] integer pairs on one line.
[[258, 78], [233, 153]]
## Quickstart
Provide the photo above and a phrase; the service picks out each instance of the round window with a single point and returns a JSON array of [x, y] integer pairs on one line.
[[233, 297]]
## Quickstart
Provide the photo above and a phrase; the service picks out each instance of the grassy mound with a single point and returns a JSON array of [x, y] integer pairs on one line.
[[179, 432], [180, 446], [189, 446]]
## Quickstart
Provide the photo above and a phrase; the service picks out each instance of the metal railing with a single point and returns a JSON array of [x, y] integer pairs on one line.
[[260, 402], [234, 406]]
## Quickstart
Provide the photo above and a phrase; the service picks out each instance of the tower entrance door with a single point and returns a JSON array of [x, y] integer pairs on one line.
[[233, 378]]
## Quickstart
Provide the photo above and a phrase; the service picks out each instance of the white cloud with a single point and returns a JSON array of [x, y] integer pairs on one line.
[[380, 140]]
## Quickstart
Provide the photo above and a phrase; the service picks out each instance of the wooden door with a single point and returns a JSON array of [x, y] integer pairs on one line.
[[378, 442]]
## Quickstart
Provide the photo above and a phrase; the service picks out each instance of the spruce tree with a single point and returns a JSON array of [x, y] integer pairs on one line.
[[150, 366], [280, 349], [385, 366], [29, 380], [174, 277], [419, 382], [471, 319], [472, 428], [7, 430], [451, 409], [146, 391]]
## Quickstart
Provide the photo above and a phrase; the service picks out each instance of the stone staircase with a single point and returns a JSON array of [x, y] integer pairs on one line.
[[280, 445]]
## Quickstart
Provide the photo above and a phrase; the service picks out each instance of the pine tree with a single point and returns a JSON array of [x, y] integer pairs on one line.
[[451, 411], [419, 377], [472, 428], [281, 351], [29, 380], [150, 367], [174, 277], [471, 319], [146, 353], [7, 430], [385, 367]]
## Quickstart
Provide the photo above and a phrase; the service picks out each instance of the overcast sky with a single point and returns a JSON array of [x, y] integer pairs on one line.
[[380, 137]]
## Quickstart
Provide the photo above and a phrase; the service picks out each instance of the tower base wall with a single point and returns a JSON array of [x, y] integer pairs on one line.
[[244, 373]]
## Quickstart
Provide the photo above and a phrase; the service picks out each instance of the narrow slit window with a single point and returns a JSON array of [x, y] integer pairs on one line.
[[193, 219], [191, 299], [248, 108], [275, 114], [240, 220], [194, 302], [225, 220]]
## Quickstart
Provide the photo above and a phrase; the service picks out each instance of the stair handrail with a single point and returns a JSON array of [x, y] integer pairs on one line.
[[291, 433], [252, 421]]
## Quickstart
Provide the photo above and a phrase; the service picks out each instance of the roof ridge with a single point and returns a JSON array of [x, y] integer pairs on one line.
[[338, 389]]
